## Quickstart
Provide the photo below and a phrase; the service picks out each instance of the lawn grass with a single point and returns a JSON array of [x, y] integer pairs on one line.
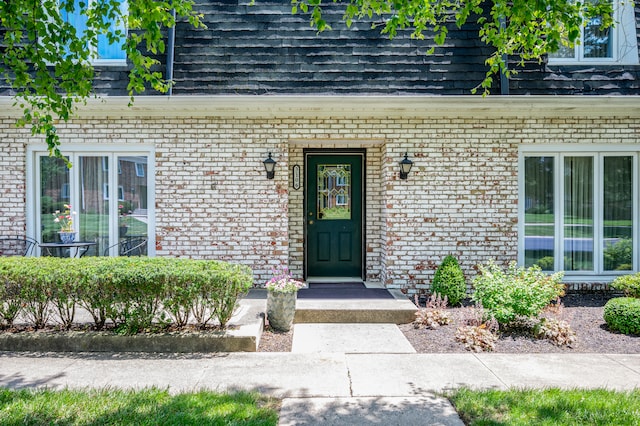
[[129, 407], [547, 407], [93, 225]]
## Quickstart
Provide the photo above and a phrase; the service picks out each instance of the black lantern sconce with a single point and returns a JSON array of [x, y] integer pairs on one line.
[[405, 166], [270, 167]]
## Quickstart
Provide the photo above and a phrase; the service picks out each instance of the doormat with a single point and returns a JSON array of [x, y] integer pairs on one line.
[[352, 285], [342, 291]]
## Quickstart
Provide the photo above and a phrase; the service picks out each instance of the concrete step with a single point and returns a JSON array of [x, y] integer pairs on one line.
[[333, 309]]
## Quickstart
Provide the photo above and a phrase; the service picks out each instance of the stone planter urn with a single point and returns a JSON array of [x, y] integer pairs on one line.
[[281, 308], [67, 237]]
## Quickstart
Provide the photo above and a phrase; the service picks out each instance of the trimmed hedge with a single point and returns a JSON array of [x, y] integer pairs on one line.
[[133, 292], [623, 314]]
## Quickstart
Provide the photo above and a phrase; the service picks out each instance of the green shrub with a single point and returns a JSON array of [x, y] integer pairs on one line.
[[95, 288], [135, 292], [65, 294], [515, 292], [217, 290], [449, 281], [629, 284], [230, 284], [10, 295], [180, 293], [623, 314], [34, 276]]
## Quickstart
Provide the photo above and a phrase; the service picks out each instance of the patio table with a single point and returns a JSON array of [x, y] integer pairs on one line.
[[78, 248]]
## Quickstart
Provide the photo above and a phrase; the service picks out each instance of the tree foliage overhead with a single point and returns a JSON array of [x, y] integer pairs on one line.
[[526, 29], [48, 64]]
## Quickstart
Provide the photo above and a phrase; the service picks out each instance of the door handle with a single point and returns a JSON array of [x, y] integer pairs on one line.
[[310, 222]]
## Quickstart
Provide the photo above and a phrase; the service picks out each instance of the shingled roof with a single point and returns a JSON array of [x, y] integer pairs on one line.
[[263, 49]]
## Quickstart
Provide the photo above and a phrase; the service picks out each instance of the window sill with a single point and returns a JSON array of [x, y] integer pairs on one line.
[[109, 63], [599, 279], [552, 63]]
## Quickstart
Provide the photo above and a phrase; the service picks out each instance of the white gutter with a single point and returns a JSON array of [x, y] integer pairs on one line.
[[352, 106]]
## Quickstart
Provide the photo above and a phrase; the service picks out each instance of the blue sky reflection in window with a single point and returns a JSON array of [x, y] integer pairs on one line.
[[105, 50]]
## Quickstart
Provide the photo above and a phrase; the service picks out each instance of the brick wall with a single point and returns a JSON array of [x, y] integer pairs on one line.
[[12, 179], [214, 201]]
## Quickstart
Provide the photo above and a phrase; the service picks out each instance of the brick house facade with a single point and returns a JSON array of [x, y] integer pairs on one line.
[[235, 102]]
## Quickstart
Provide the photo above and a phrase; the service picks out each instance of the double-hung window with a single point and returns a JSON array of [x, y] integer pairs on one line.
[[104, 51], [578, 210], [615, 45], [112, 203]]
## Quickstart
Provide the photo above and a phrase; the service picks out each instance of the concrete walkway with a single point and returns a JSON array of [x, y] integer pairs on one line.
[[331, 388]]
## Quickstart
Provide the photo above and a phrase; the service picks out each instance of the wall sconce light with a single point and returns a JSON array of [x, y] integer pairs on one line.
[[270, 167], [405, 166]]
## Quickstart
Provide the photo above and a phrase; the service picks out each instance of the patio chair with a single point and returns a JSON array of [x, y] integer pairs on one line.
[[17, 246], [130, 247]]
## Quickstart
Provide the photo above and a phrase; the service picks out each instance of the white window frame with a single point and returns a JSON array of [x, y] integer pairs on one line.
[[598, 152], [35, 151], [341, 199], [624, 41], [139, 169]]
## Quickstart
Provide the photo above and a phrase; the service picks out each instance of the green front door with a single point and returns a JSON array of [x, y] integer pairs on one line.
[[333, 213]]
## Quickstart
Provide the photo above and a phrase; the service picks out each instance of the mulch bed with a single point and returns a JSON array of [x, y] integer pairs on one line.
[[583, 311]]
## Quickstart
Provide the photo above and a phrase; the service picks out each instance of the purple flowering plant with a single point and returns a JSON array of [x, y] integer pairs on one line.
[[282, 282]]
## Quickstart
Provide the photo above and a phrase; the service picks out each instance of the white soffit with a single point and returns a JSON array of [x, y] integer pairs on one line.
[[354, 106]]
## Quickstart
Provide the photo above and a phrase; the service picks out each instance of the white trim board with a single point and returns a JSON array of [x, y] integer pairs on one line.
[[352, 106]]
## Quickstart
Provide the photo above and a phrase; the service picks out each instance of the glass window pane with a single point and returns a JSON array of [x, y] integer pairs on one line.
[[564, 52], [112, 51], [94, 202], [539, 216], [334, 191], [54, 194], [597, 41], [617, 213], [132, 203], [107, 50], [76, 18], [578, 213]]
